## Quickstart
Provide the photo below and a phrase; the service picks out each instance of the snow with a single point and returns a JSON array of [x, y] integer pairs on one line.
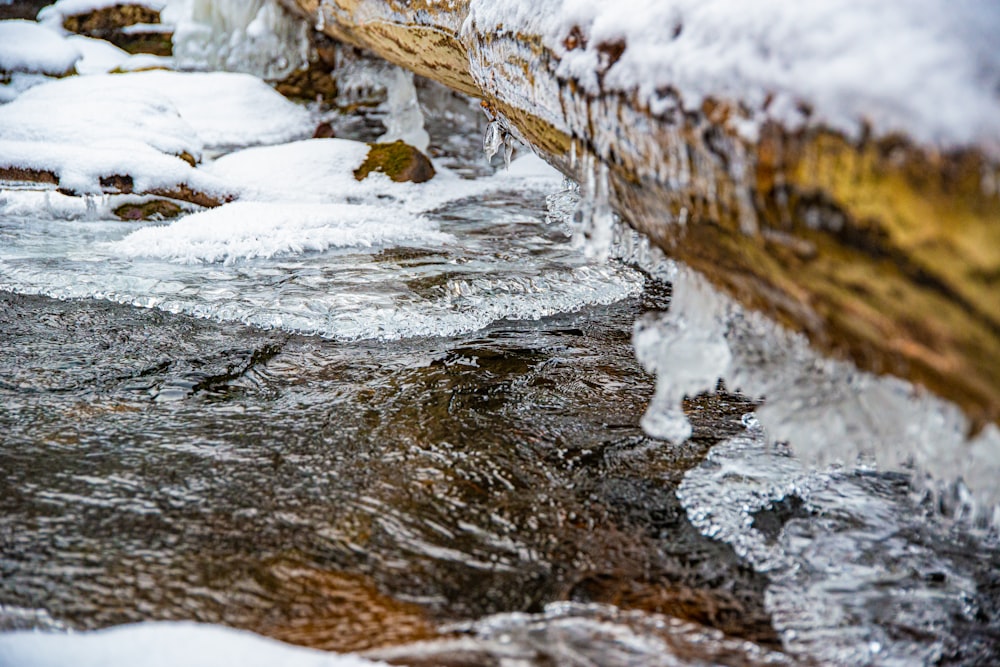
[[26, 46], [87, 127], [99, 111], [927, 68], [79, 168], [310, 170], [99, 56], [247, 230], [227, 109], [168, 644]]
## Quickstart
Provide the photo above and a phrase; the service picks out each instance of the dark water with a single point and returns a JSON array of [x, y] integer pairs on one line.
[[160, 467]]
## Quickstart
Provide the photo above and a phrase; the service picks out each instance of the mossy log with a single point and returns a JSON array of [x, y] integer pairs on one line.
[[881, 250]]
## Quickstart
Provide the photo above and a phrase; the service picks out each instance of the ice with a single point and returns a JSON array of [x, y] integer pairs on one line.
[[247, 230], [163, 644], [253, 36], [404, 120], [929, 69], [826, 410], [594, 219], [858, 573], [28, 47]]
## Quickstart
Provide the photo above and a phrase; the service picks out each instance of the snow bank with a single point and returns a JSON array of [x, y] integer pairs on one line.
[[247, 230], [100, 111], [927, 68], [322, 170], [26, 46], [310, 170], [79, 168], [162, 645], [227, 109]]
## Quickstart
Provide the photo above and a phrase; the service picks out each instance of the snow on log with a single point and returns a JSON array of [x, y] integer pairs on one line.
[[833, 164]]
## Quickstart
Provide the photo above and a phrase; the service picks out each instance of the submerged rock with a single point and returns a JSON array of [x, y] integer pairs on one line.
[[398, 160]]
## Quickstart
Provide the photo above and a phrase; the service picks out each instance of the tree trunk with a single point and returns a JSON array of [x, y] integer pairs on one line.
[[881, 250]]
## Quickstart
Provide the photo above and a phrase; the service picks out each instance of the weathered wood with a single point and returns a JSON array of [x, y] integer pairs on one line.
[[880, 250]]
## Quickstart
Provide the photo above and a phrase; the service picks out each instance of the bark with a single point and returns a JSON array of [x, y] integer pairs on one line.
[[880, 250]]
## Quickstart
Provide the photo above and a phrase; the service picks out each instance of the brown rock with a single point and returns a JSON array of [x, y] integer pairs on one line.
[[399, 161], [108, 23], [324, 131], [157, 209]]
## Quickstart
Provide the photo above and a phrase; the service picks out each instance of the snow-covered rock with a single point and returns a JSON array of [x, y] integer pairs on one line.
[[31, 48]]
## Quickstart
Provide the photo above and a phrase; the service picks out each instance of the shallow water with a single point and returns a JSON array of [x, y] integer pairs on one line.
[[455, 459]]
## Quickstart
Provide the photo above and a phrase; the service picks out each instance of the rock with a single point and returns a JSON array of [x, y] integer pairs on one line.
[[398, 160], [156, 209], [324, 131], [132, 27], [315, 82]]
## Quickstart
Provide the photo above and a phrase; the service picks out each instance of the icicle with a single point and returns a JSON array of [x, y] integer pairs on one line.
[[492, 139], [594, 220], [508, 151], [320, 18], [405, 120]]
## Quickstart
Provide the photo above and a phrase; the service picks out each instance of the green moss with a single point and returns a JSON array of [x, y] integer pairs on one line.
[[398, 160]]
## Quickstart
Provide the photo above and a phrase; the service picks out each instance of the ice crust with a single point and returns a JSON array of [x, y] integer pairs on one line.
[[926, 68], [247, 230], [856, 562]]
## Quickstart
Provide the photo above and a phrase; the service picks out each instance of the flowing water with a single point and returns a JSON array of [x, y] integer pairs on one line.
[[435, 439]]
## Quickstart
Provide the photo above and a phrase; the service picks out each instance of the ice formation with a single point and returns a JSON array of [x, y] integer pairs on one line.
[[247, 230], [827, 410], [852, 563], [253, 36], [404, 119]]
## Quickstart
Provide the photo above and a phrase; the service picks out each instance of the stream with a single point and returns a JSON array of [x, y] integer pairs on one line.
[[428, 449]]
